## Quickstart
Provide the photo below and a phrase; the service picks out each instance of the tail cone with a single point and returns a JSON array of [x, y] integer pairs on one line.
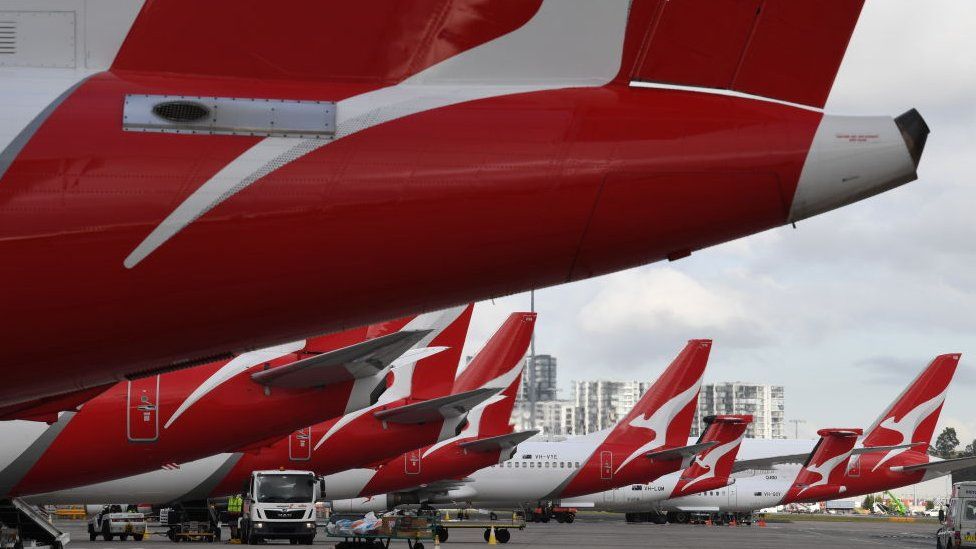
[[914, 131]]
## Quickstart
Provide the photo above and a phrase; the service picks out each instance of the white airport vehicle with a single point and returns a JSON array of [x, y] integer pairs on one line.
[[112, 522], [280, 505], [959, 518]]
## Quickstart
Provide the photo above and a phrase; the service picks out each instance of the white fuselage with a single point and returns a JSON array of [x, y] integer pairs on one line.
[[540, 469]]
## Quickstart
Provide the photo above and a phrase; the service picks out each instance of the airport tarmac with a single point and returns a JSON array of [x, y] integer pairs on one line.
[[601, 532]]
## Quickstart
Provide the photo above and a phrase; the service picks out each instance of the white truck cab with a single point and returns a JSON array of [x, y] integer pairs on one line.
[[959, 520], [280, 505]]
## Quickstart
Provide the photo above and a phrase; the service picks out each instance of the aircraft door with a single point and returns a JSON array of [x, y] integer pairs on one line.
[[142, 410], [606, 465], [411, 462], [300, 445], [732, 495]]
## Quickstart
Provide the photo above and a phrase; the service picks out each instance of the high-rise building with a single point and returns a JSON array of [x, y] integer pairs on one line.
[[764, 402], [539, 379], [552, 417], [602, 403]]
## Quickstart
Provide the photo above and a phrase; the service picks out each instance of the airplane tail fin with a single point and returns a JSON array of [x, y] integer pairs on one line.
[[491, 419], [713, 467], [787, 50], [912, 416], [822, 476], [500, 360], [427, 370], [662, 417]]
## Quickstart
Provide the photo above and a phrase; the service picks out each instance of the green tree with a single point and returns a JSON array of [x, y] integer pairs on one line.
[[929, 505], [970, 449], [868, 502], [946, 443]]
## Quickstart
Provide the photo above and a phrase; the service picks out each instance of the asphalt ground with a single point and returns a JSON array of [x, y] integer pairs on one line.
[[612, 532]]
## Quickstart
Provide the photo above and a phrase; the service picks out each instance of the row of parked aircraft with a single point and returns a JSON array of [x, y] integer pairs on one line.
[[175, 192], [393, 424]]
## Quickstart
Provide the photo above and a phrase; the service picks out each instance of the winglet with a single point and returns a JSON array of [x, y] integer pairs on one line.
[[356, 361]]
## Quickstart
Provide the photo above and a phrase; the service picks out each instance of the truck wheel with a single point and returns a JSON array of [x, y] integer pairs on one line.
[[106, 532], [570, 518], [442, 534], [418, 545], [544, 518], [488, 534], [309, 540], [137, 537], [123, 537], [502, 535], [92, 535]]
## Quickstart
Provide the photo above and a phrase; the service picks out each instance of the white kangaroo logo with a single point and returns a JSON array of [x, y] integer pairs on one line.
[[710, 459], [907, 425], [660, 420], [825, 468]]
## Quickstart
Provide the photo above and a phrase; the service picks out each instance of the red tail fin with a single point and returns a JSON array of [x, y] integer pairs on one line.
[[493, 417], [822, 476], [713, 467], [913, 415], [427, 370], [662, 417], [500, 359], [434, 375]]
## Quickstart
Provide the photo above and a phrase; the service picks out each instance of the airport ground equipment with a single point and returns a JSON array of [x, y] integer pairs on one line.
[[959, 519], [503, 524], [22, 525], [191, 521], [897, 507], [280, 505], [549, 511], [370, 532], [114, 522]]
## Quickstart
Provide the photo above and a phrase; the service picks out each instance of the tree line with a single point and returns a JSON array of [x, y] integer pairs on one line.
[[946, 444]]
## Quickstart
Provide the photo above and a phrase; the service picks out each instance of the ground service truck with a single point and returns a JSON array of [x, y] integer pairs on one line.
[[959, 519], [280, 505]]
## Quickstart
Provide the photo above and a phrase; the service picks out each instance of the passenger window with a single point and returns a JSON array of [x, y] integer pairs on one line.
[[547, 465], [516, 465], [577, 465]]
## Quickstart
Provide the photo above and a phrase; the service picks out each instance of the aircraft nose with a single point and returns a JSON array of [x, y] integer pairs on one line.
[[856, 157]]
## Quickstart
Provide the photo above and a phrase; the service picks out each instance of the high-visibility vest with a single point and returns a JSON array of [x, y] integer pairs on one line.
[[235, 503]]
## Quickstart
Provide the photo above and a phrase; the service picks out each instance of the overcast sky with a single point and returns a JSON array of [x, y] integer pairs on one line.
[[844, 310]]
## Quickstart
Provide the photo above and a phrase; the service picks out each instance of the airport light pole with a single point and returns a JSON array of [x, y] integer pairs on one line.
[[796, 426], [531, 397]]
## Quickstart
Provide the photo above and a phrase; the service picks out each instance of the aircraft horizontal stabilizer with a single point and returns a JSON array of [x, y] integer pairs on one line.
[[436, 409], [762, 464], [47, 409], [441, 486], [872, 449], [501, 442], [681, 452], [353, 362], [943, 467]]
